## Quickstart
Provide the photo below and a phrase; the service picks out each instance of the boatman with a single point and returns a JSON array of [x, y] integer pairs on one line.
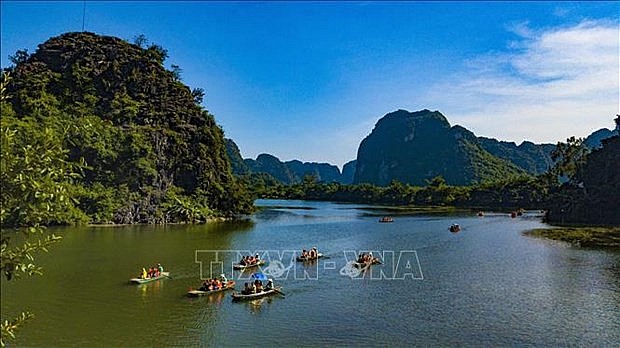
[[223, 278], [160, 268]]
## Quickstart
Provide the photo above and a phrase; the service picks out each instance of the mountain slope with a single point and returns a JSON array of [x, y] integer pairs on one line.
[[413, 147]]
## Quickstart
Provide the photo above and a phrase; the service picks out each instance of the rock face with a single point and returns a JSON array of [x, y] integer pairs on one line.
[[413, 147], [348, 172]]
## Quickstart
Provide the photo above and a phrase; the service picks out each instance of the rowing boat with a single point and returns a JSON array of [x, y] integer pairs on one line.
[[150, 279], [197, 293], [240, 266], [375, 261], [303, 259], [237, 296]]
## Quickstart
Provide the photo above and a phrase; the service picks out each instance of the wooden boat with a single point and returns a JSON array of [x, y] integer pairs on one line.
[[197, 293], [375, 261], [386, 219], [242, 267], [237, 296], [303, 259], [151, 279]]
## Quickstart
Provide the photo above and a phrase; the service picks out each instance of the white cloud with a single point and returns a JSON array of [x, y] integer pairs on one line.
[[549, 85]]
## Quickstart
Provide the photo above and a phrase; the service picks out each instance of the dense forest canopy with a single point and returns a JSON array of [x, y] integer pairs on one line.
[[147, 151]]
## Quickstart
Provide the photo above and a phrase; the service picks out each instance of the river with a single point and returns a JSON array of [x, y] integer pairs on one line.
[[485, 285]]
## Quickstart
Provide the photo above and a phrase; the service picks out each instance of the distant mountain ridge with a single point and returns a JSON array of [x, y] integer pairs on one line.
[[413, 147], [289, 172]]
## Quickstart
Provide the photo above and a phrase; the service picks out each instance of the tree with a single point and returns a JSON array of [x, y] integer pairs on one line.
[[569, 157], [157, 53], [35, 177], [19, 57], [198, 94], [140, 40], [176, 72]]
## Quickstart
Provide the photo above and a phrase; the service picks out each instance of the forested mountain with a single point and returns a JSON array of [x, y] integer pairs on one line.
[[151, 152], [413, 147], [292, 171], [533, 158]]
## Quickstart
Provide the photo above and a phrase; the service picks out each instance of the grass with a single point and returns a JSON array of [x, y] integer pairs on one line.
[[595, 237]]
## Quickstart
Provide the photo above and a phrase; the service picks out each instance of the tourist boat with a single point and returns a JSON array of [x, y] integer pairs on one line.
[[243, 267], [375, 261], [149, 279], [237, 296], [302, 259], [455, 228], [480, 213], [196, 293], [386, 219]]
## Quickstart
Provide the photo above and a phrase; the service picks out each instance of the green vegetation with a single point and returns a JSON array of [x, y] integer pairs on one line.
[[137, 145], [511, 193], [581, 236]]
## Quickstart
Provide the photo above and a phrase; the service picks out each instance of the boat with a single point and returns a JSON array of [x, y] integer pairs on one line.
[[386, 219], [243, 267], [196, 293], [237, 296], [455, 228], [303, 259], [149, 279], [375, 261], [480, 213]]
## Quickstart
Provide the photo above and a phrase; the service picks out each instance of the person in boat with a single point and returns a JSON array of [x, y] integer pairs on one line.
[[313, 253], [257, 257], [269, 285], [223, 278], [304, 253], [144, 274], [243, 261], [259, 286], [160, 268]]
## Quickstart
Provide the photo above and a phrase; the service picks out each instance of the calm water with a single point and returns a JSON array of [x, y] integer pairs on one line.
[[487, 285]]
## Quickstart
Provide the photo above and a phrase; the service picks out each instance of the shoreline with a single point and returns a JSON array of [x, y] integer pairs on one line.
[[587, 237]]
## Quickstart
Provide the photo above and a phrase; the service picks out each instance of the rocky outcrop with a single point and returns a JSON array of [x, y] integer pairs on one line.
[[414, 147]]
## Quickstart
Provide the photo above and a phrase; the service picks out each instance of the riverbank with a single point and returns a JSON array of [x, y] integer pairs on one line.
[[591, 237]]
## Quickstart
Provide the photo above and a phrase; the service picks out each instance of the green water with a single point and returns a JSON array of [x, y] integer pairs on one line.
[[486, 285]]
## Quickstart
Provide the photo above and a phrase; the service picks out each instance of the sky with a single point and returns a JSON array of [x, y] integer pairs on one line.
[[309, 80]]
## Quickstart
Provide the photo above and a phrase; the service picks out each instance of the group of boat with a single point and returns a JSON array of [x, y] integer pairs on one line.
[[221, 284]]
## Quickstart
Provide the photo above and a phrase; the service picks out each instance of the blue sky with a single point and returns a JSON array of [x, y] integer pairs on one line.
[[308, 80]]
